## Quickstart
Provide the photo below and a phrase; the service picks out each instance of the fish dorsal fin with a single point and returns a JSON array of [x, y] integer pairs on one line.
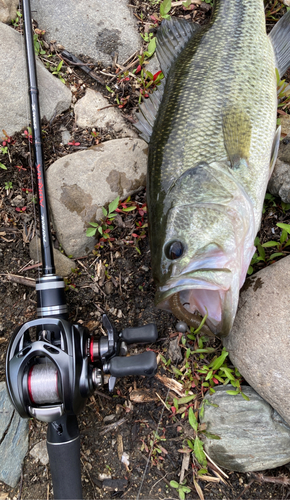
[[172, 37], [275, 149], [280, 38], [237, 135]]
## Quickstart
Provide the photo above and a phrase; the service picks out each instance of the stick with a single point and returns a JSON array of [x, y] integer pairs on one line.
[[21, 280]]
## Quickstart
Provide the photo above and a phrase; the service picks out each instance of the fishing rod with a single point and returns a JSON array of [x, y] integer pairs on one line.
[[52, 365]]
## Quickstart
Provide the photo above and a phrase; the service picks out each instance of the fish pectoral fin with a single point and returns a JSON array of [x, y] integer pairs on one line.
[[280, 38], [275, 149], [172, 37], [237, 130]]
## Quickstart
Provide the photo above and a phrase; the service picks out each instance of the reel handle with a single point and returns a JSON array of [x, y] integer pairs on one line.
[[146, 334], [141, 364]]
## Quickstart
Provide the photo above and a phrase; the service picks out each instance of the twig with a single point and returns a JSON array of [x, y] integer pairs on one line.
[[21, 280], [211, 460], [20, 485], [161, 401], [112, 427]]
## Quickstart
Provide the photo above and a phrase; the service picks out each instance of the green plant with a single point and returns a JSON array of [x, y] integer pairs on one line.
[[103, 228], [37, 43], [165, 7], [3, 166], [280, 245], [4, 150], [283, 91], [181, 488], [16, 21], [57, 71], [8, 185]]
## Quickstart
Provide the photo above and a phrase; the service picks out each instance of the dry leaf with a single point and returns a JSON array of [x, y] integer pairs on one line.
[[142, 396], [198, 490], [120, 447], [184, 467]]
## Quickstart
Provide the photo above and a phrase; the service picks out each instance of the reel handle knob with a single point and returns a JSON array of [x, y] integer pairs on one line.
[[146, 334], [141, 364]]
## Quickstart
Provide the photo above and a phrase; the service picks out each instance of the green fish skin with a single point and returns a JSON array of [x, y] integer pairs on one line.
[[212, 148]]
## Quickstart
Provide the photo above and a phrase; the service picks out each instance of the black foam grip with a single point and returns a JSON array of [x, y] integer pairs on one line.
[[65, 468], [141, 334], [141, 364]]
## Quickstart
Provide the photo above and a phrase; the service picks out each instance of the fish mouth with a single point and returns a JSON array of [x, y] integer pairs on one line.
[[190, 299]]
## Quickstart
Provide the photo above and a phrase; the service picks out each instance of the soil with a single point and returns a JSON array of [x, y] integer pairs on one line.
[[114, 279]]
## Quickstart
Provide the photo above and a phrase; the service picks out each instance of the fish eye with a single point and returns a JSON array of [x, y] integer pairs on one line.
[[174, 250]]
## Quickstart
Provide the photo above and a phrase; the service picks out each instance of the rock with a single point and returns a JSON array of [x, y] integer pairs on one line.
[[81, 183], [63, 265], [89, 113], [253, 435], [285, 121], [65, 135], [259, 343], [54, 96], [18, 201], [279, 184], [153, 65], [96, 29], [8, 10], [13, 439], [39, 452], [174, 351]]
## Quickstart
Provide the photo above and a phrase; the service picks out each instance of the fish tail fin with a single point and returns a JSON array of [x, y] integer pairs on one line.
[[280, 38]]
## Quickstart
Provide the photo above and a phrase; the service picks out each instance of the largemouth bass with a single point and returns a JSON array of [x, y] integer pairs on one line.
[[213, 144]]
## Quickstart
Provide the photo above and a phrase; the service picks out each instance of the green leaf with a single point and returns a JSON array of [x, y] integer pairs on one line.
[[113, 205], [94, 224], [3, 166], [109, 90], [198, 451], [91, 231], [181, 494], [228, 373], [274, 255], [175, 403], [186, 489], [201, 411], [209, 375], [202, 471], [233, 393], [245, 396], [104, 211], [151, 47], [128, 209], [269, 244], [190, 445], [284, 226], [261, 251], [186, 399], [100, 229], [217, 363], [174, 484], [192, 419], [250, 270], [284, 236], [165, 7], [211, 436]]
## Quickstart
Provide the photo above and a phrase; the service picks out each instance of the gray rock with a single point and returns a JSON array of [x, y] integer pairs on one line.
[[253, 435], [92, 27], [279, 184], [259, 343], [54, 96], [89, 113], [39, 452], [285, 124], [174, 351], [81, 183], [13, 439], [8, 10], [153, 65], [63, 265]]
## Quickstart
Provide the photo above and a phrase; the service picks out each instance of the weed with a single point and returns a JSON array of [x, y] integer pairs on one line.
[[3, 166], [103, 228], [181, 488], [16, 22], [57, 71], [8, 185], [4, 150], [37, 42], [280, 246], [165, 7]]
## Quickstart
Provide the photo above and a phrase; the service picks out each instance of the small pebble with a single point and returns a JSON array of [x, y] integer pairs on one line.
[[181, 326]]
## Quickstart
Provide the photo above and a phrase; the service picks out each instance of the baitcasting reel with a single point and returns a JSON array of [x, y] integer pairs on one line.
[[52, 366]]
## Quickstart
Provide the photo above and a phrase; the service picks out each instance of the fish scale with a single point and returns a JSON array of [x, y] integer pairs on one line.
[[211, 150]]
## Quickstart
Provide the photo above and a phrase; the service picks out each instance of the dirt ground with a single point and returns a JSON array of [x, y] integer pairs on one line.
[[114, 279]]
